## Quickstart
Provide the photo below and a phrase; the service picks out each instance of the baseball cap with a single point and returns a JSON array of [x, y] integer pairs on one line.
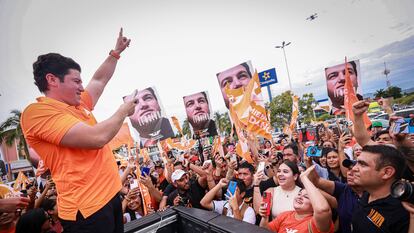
[[177, 174], [376, 124], [348, 163]]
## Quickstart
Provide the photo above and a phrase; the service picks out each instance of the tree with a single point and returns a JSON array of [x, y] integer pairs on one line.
[[223, 123], [186, 128], [10, 131], [281, 109], [393, 92], [306, 105], [380, 93]]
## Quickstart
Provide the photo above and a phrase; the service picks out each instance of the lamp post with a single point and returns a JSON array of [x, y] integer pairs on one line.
[[284, 44]]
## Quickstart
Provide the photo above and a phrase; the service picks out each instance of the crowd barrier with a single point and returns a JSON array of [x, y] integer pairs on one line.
[[189, 220]]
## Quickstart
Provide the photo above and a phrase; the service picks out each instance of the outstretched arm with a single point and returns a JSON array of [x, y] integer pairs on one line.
[[207, 201], [106, 70], [321, 209], [360, 132]]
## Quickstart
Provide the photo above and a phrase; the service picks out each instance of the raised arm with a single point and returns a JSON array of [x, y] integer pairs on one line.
[[343, 140], [360, 132], [106, 70], [323, 184], [207, 201], [321, 209]]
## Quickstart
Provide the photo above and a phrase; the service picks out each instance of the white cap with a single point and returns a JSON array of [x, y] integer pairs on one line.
[[177, 174]]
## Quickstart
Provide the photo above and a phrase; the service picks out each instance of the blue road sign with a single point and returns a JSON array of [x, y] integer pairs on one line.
[[267, 77]]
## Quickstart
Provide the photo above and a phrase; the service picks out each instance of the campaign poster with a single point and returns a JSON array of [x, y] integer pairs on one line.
[[335, 83], [149, 118], [199, 114], [234, 77]]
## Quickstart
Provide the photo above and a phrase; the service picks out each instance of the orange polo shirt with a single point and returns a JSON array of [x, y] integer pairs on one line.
[[86, 179]]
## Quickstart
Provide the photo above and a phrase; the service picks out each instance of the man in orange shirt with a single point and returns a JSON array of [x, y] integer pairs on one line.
[[73, 145]]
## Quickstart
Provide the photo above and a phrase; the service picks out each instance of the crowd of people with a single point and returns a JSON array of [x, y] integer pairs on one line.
[[327, 181]]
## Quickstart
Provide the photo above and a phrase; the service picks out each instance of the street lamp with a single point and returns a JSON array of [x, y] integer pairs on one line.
[[284, 44]]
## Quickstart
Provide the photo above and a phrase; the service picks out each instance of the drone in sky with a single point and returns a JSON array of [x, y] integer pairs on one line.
[[312, 17]]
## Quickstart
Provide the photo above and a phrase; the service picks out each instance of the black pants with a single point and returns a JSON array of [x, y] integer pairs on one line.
[[109, 219]]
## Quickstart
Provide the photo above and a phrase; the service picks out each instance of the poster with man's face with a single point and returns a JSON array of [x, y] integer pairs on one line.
[[149, 118], [197, 108], [235, 77], [335, 82]]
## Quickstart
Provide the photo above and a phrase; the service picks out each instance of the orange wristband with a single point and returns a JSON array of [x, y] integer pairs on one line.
[[114, 54]]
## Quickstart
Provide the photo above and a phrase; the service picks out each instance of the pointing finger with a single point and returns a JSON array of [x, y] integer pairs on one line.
[[121, 32]]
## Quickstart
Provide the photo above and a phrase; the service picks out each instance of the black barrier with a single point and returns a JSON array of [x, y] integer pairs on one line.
[[189, 220]]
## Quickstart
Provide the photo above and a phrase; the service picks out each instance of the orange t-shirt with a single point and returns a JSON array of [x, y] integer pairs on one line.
[[286, 223], [86, 179]]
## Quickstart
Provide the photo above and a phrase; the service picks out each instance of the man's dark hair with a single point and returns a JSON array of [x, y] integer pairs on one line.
[[379, 133], [52, 63], [48, 204], [246, 66], [152, 92], [240, 185], [248, 166], [230, 144], [388, 156], [31, 221], [353, 64], [293, 147]]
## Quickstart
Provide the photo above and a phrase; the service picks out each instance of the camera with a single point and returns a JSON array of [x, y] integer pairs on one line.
[[403, 191], [183, 201], [314, 151]]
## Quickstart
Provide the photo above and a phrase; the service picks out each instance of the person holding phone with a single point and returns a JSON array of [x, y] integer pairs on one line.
[[61, 128], [287, 176], [234, 207]]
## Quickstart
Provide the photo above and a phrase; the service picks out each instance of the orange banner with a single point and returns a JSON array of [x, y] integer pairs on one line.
[[177, 124], [121, 138], [350, 98]]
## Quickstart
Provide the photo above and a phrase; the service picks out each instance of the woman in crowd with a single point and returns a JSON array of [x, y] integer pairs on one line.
[[333, 165], [287, 176], [311, 213], [133, 205], [49, 205]]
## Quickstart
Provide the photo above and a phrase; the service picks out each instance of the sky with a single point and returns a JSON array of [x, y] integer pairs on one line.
[[179, 46]]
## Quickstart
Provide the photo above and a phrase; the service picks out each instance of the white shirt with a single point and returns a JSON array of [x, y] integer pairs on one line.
[[128, 217], [249, 215]]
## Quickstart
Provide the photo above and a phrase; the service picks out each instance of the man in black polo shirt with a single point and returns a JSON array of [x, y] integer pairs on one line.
[[376, 169], [188, 192]]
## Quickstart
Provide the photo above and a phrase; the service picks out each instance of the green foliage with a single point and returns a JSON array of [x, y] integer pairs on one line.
[[10, 131], [392, 91], [380, 93], [186, 128], [223, 123], [306, 105], [409, 99], [324, 117], [281, 109]]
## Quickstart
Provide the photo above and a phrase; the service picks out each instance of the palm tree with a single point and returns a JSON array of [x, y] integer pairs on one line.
[[223, 122], [186, 128], [10, 131], [380, 93]]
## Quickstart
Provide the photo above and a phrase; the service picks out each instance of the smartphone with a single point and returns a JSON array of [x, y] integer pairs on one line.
[[145, 171], [261, 166], [336, 131], [267, 198], [231, 189], [314, 151], [134, 184]]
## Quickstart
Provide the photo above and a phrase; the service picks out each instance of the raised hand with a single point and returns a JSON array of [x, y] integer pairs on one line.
[[360, 107], [122, 42]]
